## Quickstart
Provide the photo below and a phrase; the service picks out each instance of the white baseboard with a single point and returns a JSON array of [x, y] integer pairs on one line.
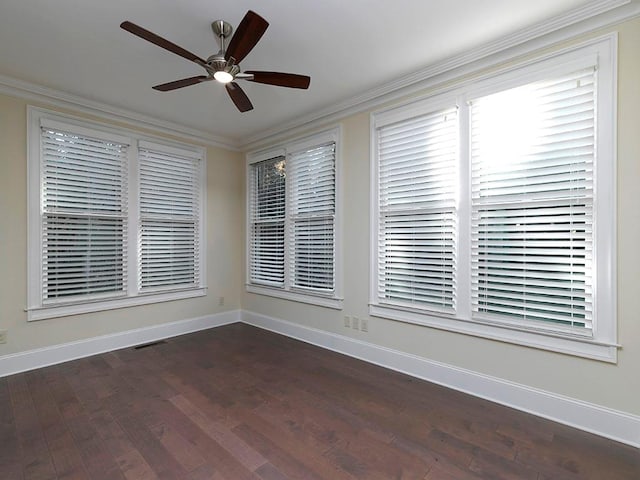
[[613, 424], [43, 357]]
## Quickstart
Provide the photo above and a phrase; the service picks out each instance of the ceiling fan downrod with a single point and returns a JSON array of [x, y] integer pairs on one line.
[[217, 63]]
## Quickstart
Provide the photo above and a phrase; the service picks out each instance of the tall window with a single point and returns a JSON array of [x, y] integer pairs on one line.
[[292, 221], [169, 219], [532, 154], [495, 207], [417, 211], [267, 205], [114, 220], [312, 207], [84, 216]]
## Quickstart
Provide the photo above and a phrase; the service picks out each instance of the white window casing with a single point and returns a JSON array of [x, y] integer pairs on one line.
[[115, 219], [293, 214], [534, 249]]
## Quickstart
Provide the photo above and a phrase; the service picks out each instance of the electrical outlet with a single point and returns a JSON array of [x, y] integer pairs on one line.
[[221, 301], [3, 336], [347, 321], [364, 325], [355, 323]]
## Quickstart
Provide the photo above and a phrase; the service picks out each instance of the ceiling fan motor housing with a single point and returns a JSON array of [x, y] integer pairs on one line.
[[217, 62]]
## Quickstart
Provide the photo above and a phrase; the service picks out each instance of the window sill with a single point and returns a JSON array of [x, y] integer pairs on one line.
[[580, 347], [319, 300], [63, 310]]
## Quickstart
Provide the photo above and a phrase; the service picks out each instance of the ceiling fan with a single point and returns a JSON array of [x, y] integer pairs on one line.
[[224, 66]]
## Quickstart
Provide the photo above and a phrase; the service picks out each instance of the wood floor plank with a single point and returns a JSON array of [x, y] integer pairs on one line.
[[131, 462], [240, 403], [10, 466], [176, 445], [98, 461], [62, 447], [153, 451], [37, 463], [274, 438], [279, 454], [222, 434]]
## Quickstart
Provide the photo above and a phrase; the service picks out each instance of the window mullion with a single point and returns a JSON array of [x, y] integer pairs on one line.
[[133, 247], [288, 224], [463, 284]]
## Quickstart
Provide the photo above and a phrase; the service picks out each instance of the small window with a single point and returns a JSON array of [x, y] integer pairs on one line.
[[169, 219], [267, 206], [292, 197]]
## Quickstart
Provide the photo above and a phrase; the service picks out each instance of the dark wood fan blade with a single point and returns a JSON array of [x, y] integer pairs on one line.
[[185, 82], [239, 97], [161, 42], [250, 30], [280, 79]]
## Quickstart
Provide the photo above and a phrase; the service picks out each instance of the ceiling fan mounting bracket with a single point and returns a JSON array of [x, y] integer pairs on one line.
[[221, 29]]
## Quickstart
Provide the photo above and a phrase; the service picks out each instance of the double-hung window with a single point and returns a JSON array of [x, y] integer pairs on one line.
[[114, 219], [169, 222], [84, 208], [292, 221], [417, 211], [494, 206]]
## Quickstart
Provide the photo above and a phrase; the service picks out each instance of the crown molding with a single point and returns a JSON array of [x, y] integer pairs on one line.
[[586, 19], [33, 92]]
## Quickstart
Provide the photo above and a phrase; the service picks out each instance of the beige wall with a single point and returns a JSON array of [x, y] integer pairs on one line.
[[614, 386], [224, 208]]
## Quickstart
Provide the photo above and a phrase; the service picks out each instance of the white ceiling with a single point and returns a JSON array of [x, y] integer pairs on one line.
[[347, 47]]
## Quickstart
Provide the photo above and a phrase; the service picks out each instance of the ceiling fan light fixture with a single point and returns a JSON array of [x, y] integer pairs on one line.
[[223, 77]]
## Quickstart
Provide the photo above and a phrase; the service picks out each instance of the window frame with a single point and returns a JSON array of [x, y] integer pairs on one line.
[[602, 345], [37, 309], [333, 299]]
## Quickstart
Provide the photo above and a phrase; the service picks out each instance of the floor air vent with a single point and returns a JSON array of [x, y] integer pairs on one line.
[[152, 344]]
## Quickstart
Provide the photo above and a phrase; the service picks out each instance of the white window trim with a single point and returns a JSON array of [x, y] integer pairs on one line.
[[602, 345], [35, 308], [335, 300]]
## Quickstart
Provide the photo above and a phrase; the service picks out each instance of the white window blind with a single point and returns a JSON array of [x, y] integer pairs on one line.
[[532, 203], [169, 219], [267, 219], [417, 161], [312, 204], [84, 211]]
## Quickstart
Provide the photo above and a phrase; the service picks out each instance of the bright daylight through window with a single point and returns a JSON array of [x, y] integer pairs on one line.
[[495, 206]]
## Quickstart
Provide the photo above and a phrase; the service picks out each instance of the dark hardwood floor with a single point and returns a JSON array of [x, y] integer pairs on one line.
[[240, 403]]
